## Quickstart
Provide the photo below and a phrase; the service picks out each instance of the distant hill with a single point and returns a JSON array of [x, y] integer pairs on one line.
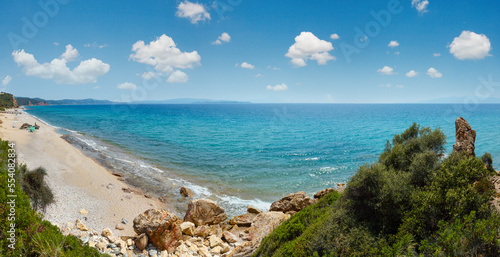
[[190, 101], [7, 101], [27, 101]]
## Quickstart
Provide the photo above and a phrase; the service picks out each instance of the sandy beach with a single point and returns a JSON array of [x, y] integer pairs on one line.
[[76, 180]]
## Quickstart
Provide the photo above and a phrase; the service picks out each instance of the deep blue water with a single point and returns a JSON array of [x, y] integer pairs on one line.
[[260, 152]]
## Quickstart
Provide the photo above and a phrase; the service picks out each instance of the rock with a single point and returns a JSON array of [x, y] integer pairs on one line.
[[292, 202], [85, 239], [244, 220], [229, 237], [163, 199], [164, 254], [101, 246], [465, 138], [110, 186], [163, 228], [147, 195], [340, 188], [215, 241], [225, 248], [130, 242], [153, 253], [186, 192], [141, 242], [202, 231], [106, 232], [245, 249], [265, 223], [204, 212], [84, 212], [114, 173], [323, 192], [251, 209], [124, 221], [216, 250], [203, 251], [79, 225], [188, 228], [119, 227]]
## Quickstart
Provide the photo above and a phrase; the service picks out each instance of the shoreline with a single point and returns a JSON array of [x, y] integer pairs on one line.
[[77, 181]]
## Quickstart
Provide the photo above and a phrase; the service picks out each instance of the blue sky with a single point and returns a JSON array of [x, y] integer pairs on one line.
[[258, 51]]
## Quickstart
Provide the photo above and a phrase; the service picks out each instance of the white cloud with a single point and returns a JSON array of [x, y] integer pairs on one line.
[[278, 88], [397, 53], [165, 57], [56, 43], [86, 72], [470, 46], [436, 54], [246, 65], [222, 38], [393, 44], [177, 77], [258, 75], [193, 11], [127, 85], [386, 70], [400, 86], [334, 36], [433, 73], [149, 75], [6, 80], [420, 5], [308, 46], [95, 45], [411, 74], [70, 54], [385, 85]]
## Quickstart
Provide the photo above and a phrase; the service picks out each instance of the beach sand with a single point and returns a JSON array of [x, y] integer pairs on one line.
[[76, 180]]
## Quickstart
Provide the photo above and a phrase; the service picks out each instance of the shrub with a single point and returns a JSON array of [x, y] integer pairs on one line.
[[34, 186]]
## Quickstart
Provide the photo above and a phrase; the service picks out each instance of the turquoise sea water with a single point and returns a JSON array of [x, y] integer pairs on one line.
[[240, 154]]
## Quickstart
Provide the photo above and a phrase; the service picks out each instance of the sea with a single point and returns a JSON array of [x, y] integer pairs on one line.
[[252, 154]]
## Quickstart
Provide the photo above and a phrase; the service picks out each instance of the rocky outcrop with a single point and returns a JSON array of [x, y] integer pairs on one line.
[[292, 203], [244, 220], [186, 192], [204, 212], [323, 192], [465, 138], [162, 228]]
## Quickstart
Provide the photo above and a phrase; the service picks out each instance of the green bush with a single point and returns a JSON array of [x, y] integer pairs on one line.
[[412, 202], [38, 191]]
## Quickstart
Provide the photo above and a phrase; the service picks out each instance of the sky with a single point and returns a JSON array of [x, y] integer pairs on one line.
[[390, 51]]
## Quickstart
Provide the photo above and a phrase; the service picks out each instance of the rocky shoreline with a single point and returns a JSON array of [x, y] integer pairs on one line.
[[203, 231]]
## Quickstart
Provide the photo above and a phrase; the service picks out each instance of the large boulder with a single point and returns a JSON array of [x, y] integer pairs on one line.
[[162, 228], [244, 220], [292, 203], [186, 192], [465, 137], [265, 223], [204, 212]]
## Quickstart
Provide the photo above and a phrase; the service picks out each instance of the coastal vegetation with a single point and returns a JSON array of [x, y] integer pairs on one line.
[[7, 101], [413, 202], [33, 236]]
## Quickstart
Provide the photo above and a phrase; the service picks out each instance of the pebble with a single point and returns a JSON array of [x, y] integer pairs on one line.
[[153, 253], [124, 221]]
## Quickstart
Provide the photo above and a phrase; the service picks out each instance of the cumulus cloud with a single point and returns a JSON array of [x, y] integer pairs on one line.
[[411, 74], [470, 46], [6, 80], [246, 65], [308, 47], [393, 44], [127, 85], [86, 72], [193, 11], [165, 57], [177, 77], [222, 38], [149, 75], [386, 70], [420, 5], [433, 73], [334, 36], [278, 88]]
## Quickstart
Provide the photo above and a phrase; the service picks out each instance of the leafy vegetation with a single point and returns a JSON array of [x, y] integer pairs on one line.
[[412, 202], [6, 101], [33, 184], [33, 235]]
